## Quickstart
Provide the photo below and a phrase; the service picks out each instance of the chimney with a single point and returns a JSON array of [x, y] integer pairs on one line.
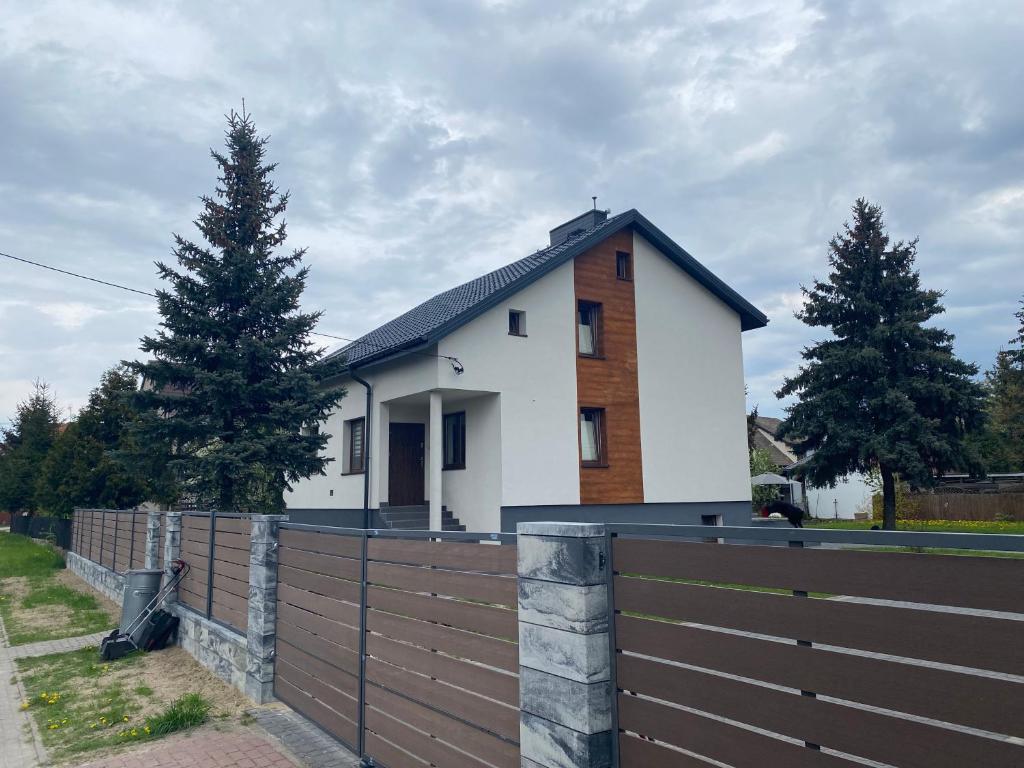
[[581, 223]]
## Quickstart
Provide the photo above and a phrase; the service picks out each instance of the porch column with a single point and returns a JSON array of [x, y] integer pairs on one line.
[[436, 459], [383, 459]]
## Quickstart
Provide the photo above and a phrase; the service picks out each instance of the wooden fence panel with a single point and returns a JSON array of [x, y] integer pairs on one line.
[[751, 656], [318, 619], [968, 506], [442, 654]]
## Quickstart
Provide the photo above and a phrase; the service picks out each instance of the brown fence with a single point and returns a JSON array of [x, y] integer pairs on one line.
[[714, 640], [437, 624], [221, 593], [968, 506], [113, 538]]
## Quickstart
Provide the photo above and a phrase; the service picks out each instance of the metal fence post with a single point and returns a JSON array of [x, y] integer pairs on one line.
[[362, 651], [565, 674], [131, 544], [211, 553], [103, 533], [117, 525]]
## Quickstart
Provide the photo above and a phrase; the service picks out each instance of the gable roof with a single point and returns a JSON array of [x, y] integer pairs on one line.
[[437, 317]]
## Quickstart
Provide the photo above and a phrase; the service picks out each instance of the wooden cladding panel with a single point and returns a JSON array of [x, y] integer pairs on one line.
[[980, 702], [326, 543], [726, 743], [500, 590], [918, 634], [859, 732], [454, 642], [456, 556], [923, 578], [610, 381], [484, 619], [326, 649], [331, 721]]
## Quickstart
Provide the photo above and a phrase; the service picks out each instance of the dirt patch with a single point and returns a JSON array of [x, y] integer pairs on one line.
[[15, 587], [43, 617], [173, 672], [71, 581]]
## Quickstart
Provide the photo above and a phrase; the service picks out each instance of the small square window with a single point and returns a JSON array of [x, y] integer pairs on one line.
[[589, 322], [623, 265], [516, 322], [592, 438], [455, 440], [310, 430]]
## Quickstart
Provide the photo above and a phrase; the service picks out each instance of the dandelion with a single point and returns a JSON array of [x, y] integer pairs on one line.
[[146, 729], [135, 732], [126, 718], [24, 705]]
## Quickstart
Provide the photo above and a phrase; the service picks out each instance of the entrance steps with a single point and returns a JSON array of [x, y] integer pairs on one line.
[[417, 518]]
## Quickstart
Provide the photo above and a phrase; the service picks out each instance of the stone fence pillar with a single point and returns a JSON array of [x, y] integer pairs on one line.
[[261, 629], [153, 542], [172, 550], [565, 686]]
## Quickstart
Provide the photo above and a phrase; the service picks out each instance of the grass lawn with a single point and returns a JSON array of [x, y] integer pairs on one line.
[[81, 704], [38, 600], [927, 526]]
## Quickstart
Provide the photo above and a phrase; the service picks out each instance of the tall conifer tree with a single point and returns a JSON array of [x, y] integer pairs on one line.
[[885, 391], [232, 380]]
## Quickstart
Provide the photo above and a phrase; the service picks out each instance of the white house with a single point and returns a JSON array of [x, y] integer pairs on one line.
[[600, 378]]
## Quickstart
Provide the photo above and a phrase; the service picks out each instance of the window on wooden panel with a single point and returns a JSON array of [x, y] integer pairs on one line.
[[516, 322], [592, 438], [356, 445], [623, 265], [589, 322], [455, 440]]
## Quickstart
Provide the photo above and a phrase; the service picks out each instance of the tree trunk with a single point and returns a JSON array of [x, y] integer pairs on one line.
[[888, 499]]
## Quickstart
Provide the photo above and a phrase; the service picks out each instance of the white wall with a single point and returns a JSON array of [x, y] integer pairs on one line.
[[473, 494], [693, 431], [851, 494], [536, 376]]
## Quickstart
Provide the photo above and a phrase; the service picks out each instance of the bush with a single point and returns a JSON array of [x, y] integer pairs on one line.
[[186, 712]]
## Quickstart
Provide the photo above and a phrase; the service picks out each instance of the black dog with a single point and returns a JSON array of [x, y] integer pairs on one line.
[[791, 512]]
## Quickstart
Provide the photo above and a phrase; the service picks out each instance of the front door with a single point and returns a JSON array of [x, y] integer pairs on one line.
[[405, 464]]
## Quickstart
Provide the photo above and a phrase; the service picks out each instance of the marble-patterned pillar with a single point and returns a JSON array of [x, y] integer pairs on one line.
[[262, 625], [565, 686], [172, 550], [153, 542]]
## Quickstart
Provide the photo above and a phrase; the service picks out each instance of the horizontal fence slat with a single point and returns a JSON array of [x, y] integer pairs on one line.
[[495, 751], [457, 702], [340, 701], [346, 659], [326, 543], [240, 525], [705, 736], [239, 541], [422, 745], [231, 570], [228, 613], [980, 702], [471, 586], [328, 607], [335, 724], [483, 619], [339, 589], [340, 634], [454, 642], [320, 668], [472, 677], [919, 634], [987, 583], [387, 754], [314, 562], [458, 556], [870, 735], [239, 589]]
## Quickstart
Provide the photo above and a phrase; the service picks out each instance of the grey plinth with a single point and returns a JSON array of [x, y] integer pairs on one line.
[[153, 542], [172, 549], [260, 632], [565, 686]]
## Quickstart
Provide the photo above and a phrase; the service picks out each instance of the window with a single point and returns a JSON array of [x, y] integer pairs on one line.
[[356, 445], [310, 430], [623, 265], [516, 323], [455, 440], [589, 329], [592, 438]]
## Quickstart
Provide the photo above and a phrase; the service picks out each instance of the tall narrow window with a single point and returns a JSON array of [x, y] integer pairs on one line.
[[357, 445], [623, 265], [592, 437], [455, 440], [589, 328], [516, 322]]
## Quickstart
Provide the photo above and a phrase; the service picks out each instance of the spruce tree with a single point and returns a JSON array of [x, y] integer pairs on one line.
[[232, 379], [885, 390], [1002, 443], [24, 446]]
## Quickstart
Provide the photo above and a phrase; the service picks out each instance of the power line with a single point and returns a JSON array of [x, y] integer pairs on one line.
[[378, 347]]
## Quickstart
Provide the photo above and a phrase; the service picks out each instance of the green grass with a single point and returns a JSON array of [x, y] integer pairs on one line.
[[81, 704], [23, 610], [927, 526], [20, 556]]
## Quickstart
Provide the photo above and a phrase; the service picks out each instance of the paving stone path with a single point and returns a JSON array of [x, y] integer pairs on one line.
[[205, 748]]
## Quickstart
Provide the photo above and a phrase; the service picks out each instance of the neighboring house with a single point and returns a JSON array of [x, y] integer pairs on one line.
[[600, 379], [850, 496]]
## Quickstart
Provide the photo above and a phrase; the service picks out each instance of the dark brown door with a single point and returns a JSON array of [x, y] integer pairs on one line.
[[405, 464]]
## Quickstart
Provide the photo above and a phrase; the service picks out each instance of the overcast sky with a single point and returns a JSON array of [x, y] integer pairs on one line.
[[426, 143]]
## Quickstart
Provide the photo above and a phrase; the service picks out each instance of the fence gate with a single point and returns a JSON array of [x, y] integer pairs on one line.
[[402, 646], [774, 656]]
